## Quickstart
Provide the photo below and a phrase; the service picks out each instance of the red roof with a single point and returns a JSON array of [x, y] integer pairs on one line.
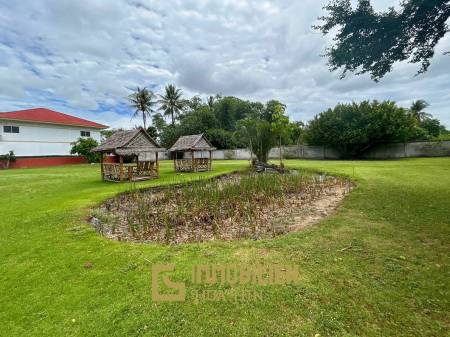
[[42, 115]]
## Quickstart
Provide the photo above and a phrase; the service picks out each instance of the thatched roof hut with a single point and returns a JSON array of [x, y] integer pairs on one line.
[[196, 146], [129, 143]]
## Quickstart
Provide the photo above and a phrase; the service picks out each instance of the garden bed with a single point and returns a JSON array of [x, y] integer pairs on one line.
[[236, 206]]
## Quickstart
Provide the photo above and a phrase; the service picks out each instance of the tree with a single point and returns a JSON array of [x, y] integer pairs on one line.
[[432, 127], [152, 131], [279, 123], [357, 127], [417, 110], [171, 102], [246, 132], [263, 127], [83, 147], [264, 141], [210, 102], [229, 110], [296, 132], [272, 109], [142, 100], [221, 139], [159, 122], [197, 121], [169, 136], [105, 134], [371, 42], [194, 103]]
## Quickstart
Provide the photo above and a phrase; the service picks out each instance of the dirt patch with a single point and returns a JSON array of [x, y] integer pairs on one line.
[[303, 215], [227, 208]]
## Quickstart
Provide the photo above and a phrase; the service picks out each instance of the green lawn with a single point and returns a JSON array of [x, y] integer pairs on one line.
[[392, 281]]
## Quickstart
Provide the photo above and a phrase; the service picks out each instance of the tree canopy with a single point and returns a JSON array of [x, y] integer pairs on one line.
[[143, 101], [356, 127], [171, 102], [230, 122], [367, 41], [219, 119]]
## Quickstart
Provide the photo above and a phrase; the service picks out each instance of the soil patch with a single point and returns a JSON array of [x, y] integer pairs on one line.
[[236, 206]]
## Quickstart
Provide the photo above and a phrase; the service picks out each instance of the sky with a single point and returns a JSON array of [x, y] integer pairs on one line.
[[85, 57]]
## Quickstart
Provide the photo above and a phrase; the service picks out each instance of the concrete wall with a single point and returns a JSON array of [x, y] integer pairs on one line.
[[35, 139], [404, 150], [387, 151], [305, 151], [231, 154]]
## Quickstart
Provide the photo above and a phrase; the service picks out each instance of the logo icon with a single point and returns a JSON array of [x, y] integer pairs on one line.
[[157, 296]]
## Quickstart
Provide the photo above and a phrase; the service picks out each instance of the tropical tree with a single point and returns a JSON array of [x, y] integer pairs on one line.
[[417, 110], [280, 126], [142, 100], [264, 141], [171, 102], [229, 110], [367, 41], [296, 132], [246, 131], [263, 127]]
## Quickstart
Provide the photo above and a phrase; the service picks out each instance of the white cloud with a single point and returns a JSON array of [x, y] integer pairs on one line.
[[83, 56]]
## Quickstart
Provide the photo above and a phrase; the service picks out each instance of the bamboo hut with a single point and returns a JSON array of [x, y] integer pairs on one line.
[[136, 144], [192, 153]]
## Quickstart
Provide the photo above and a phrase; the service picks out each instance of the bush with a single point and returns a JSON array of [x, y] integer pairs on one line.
[[83, 147], [221, 139], [8, 158], [431, 126], [354, 128]]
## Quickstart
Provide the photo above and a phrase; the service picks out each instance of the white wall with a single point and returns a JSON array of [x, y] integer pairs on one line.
[[36, 139]]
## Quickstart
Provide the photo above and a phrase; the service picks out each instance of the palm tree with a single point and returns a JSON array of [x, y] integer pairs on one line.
[[171, 102], [416, 110], [142, 100]]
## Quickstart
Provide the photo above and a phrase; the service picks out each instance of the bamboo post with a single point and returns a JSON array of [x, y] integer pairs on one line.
[[121, 168], [101, 166], [137, 165], [175, 155], [210, 160], [157, 164], [281, 154], [130, 173]]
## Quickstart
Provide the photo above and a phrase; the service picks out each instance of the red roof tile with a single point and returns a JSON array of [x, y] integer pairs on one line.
[[42, 115]]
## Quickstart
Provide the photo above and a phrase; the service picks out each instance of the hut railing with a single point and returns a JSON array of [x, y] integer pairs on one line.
[[131, 172], [143, 169], [111, 171], [196, 164]]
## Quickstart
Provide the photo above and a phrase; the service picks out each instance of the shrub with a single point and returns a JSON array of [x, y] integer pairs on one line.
[[221, 139], [83, 147], [354, 128], [8, 158]]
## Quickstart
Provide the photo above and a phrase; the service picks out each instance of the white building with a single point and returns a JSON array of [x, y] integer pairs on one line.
[[43, 132]]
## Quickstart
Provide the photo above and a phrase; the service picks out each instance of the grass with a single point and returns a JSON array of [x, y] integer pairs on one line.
[[379, 267]]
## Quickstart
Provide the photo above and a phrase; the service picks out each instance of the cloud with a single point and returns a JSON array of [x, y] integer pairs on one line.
[[84, 57]]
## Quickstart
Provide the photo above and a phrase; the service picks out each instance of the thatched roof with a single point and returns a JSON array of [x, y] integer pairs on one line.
[[192, 143], [129, 142]]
